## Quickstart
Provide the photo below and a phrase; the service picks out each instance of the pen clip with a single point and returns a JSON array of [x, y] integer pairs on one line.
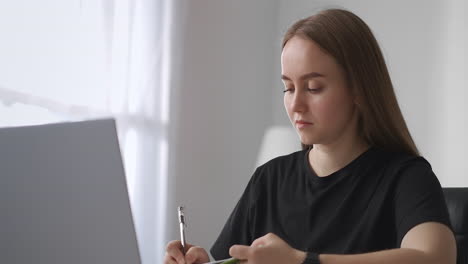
[[180, 210]]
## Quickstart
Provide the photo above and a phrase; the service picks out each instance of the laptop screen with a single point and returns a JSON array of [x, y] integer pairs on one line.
[[63, 195]]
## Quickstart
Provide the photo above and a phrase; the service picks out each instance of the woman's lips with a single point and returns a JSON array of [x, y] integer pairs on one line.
[[303, 124]]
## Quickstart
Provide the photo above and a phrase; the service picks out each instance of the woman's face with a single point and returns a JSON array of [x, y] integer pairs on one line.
[[317, 98]]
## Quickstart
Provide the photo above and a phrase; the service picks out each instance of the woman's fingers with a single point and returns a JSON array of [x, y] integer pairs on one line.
[[196, 255], [239, 252], [169, 260], [174, 250], [266, 249], [260, 242]]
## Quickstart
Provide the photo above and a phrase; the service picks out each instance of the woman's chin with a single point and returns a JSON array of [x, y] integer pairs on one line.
[[308, 140]]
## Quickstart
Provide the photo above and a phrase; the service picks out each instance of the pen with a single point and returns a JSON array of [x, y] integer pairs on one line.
[[224, 261], [180, 210]]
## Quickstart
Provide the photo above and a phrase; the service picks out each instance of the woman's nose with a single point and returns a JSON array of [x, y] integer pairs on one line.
[[297, 103]]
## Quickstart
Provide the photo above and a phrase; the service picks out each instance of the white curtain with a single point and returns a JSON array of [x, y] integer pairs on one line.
[[74, 60]]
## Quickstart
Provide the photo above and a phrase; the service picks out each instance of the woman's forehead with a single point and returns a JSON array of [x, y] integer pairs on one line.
[[301, 56]]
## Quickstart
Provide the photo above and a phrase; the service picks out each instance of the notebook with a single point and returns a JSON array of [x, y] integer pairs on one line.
[[63, 195]]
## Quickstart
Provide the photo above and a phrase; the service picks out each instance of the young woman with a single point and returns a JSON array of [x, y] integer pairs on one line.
[[358, 192]]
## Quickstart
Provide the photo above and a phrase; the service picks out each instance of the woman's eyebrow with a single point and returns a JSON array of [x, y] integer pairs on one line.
[[309, 75]]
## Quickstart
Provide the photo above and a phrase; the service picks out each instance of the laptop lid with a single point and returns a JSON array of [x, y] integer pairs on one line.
[[63, 195]]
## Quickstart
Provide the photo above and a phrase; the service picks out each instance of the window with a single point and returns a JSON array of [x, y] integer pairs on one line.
[[84, 59]]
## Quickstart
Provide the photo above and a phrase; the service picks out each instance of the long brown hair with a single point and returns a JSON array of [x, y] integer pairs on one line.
[[348, 39]]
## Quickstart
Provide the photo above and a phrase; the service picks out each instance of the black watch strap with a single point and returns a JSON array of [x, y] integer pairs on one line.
[[311, 258]]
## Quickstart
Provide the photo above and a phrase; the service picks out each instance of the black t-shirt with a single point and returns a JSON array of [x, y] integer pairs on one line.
[[368, 205]]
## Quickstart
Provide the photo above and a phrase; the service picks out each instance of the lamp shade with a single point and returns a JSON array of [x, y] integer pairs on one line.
[[277, 141]]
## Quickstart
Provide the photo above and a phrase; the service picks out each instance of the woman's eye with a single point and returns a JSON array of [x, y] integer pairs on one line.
[[287, 90], [314, 90]]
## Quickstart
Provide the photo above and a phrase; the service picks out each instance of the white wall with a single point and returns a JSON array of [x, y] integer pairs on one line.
[[454, 96], [224, 88]]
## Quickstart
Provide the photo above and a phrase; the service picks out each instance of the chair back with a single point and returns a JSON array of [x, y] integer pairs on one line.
[[457, 203]]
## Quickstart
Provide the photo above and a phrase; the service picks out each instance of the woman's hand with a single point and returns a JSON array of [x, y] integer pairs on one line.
[[268, 249], [194, 254]]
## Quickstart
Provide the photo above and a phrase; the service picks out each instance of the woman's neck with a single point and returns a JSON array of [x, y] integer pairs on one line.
[[327, 159]]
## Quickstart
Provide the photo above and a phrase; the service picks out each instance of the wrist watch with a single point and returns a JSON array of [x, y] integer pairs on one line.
[[311, 258]]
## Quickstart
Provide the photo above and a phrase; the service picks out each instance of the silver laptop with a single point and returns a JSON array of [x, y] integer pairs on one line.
[[63, 196]]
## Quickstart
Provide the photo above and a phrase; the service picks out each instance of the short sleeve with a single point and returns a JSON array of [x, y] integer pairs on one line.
[[418, 198], [237, 228]]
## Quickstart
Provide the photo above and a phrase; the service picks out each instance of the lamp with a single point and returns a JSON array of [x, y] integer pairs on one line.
[[277, 141]]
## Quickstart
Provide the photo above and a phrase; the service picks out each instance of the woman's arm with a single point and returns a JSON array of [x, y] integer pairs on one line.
[[427, 243]]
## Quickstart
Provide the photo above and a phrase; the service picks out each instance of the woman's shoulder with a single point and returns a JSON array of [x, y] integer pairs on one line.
[[403, 160], [403, 164], [280, 166]]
